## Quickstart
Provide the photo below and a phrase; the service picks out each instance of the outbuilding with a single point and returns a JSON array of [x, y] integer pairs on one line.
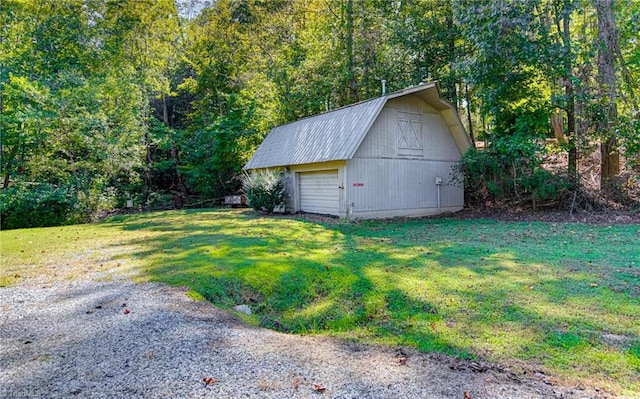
[[387, 157]]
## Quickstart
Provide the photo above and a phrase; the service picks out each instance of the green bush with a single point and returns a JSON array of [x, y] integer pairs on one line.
[[543, 186], [37, 205], [509, 169], [265, 190], [628, 131], [94, 203], [24, 205]]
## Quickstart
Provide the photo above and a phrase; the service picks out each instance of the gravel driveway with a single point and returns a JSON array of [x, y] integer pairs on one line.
[[123, 340]]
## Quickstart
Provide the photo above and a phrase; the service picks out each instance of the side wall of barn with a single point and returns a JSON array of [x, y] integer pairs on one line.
[[397, 167]]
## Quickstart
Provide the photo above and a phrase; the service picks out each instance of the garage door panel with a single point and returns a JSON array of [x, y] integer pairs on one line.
[[319, 192]]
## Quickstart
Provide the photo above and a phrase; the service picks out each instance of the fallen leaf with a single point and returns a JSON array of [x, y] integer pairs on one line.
[[478, 368], [466, 395], [318, 388], [551, 381], [593, 285], [127, 311], [209, 380], [296, 383], [402, 360]]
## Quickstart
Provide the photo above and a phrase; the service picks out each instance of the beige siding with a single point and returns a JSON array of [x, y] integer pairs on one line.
[[399, 187], [392, 134], [393, 173]]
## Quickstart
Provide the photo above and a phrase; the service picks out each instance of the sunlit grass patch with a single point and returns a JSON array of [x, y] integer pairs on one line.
[[564, 298]]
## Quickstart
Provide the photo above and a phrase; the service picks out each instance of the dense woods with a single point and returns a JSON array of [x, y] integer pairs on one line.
[[162, 102]]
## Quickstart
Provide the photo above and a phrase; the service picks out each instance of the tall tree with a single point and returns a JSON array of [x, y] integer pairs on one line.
[[567, 9], [67, 117], [351, 79], [627, 16], [428, 44], [505, 43], [607, 49]]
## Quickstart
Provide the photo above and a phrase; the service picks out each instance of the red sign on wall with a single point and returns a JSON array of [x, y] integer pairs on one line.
[[358, 184]]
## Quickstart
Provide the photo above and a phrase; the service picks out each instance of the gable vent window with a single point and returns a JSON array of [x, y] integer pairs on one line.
[[410, 142]]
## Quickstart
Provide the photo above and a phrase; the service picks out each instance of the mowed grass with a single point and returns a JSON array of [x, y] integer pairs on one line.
[[561, 298]]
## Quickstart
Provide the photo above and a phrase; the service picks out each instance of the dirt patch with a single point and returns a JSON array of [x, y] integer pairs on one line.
[[513, 214], [509, 214]]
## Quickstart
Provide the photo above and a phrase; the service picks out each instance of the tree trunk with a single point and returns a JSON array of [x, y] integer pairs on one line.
[[607, 44], [468, 98], [353, 89], [8, 160], [451, 46], [149, 155], [6, 179], [571, 118], [182, 190]]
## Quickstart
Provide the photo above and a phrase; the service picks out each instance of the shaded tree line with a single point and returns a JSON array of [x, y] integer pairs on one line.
[[162, 102]]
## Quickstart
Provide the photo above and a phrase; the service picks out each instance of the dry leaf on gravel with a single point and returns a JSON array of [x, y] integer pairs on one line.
[[209, 380], [466, 395], [318, 388]]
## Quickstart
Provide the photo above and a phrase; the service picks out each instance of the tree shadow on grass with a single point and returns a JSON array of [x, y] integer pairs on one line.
[[439, 285], [307, 278]]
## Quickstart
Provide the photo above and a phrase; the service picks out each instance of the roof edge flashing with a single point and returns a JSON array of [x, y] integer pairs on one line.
[[414, 89]]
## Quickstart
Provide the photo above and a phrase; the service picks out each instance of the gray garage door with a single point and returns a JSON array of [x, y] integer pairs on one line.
[[319, 192]]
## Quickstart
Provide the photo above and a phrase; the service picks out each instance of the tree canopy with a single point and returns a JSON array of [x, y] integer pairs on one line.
[[164, 101]]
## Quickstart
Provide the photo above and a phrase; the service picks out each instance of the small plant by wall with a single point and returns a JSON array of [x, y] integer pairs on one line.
[[265, 190]]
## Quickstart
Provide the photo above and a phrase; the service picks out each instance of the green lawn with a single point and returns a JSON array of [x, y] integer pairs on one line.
[[563, 298]]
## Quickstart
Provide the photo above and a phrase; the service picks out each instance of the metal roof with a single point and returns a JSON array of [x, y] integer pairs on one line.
[[337, 134]]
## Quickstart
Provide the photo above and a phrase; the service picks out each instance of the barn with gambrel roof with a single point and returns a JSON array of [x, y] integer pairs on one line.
[[387, 157]]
